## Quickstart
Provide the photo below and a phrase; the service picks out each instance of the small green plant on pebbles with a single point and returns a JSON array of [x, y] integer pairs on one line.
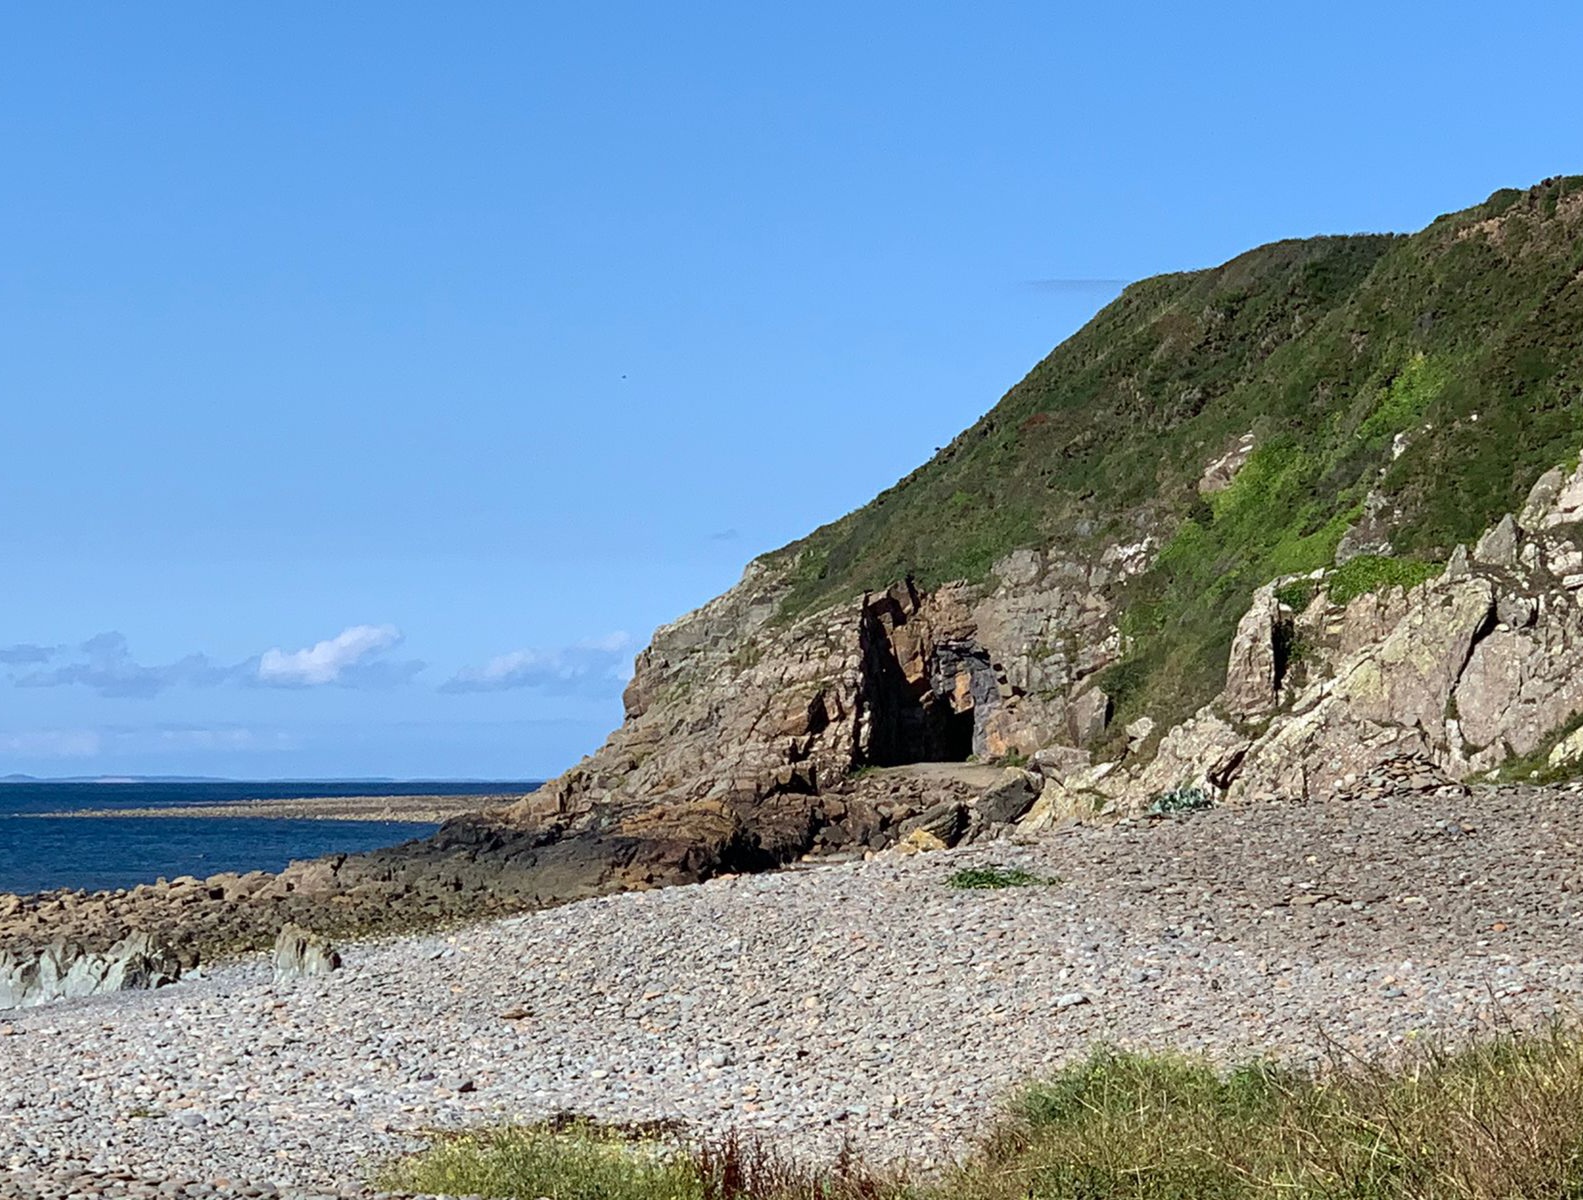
[[979, 879], [1187, 798]]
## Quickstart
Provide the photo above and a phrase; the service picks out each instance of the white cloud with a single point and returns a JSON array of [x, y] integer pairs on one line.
[[599, 666], [351, 658]]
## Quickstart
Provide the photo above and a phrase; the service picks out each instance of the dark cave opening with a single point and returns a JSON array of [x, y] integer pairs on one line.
[[928, 719], [955, 733]]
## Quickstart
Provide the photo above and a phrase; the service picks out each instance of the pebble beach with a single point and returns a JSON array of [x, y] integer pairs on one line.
[[866, 1001]]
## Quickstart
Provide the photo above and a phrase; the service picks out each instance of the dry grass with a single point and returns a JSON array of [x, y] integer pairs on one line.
[[1501, 1120]]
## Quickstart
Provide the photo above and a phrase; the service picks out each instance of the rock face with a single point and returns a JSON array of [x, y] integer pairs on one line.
[[1258, 654], [737, 725], [63, 971], [1462, 672], [750, 723], [301, 953], [1218, 475], [757, 732]]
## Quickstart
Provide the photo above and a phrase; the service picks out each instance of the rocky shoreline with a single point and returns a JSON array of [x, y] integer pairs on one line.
[[866, 1000], [499, 862]]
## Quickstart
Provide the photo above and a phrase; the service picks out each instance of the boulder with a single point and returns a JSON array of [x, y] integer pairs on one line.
[[1407, 679], [1567, 506], [1058, 762], [1089, 713], [1203, 752], [1568, 750], [1520, 684], [300, 953], [1541, 499], [1138, 731], [1516, 612], [64, 971], [919, 841], [1218, 475], [1008, 798], [1372, 532], [946, 821], [1058, 803]]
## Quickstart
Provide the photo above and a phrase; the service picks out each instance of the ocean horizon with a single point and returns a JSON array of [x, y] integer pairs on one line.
[[40, 852]]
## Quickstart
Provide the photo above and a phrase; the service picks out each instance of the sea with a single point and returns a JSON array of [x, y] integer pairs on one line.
[[41, 853]]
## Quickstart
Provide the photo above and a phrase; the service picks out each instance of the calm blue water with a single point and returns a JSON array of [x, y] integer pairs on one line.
[[42, 853]]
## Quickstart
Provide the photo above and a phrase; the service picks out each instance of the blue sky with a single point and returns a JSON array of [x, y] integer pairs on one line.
[[374, 378]]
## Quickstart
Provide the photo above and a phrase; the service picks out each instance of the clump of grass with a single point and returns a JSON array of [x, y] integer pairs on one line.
[[1499, 1120], [1373, 573], [580, 1160], [978, 879], [1534, 767], [577, 1162], [1296, 594]]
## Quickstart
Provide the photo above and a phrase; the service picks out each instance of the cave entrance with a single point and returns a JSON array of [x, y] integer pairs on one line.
[[930, 710]]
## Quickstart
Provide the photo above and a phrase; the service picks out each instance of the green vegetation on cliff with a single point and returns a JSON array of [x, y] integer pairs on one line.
[[1442, 372]]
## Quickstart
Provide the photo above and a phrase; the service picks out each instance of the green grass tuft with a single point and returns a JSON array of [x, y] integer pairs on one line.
[[1498, 1121], [1297, 594], [580, 1160], [977, 879], [1374, 573]]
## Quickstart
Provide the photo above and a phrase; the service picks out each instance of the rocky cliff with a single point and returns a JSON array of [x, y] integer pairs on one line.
[[1255, 531]]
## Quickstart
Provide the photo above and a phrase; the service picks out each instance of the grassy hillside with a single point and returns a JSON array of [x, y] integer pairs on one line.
[[1465, 338]]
